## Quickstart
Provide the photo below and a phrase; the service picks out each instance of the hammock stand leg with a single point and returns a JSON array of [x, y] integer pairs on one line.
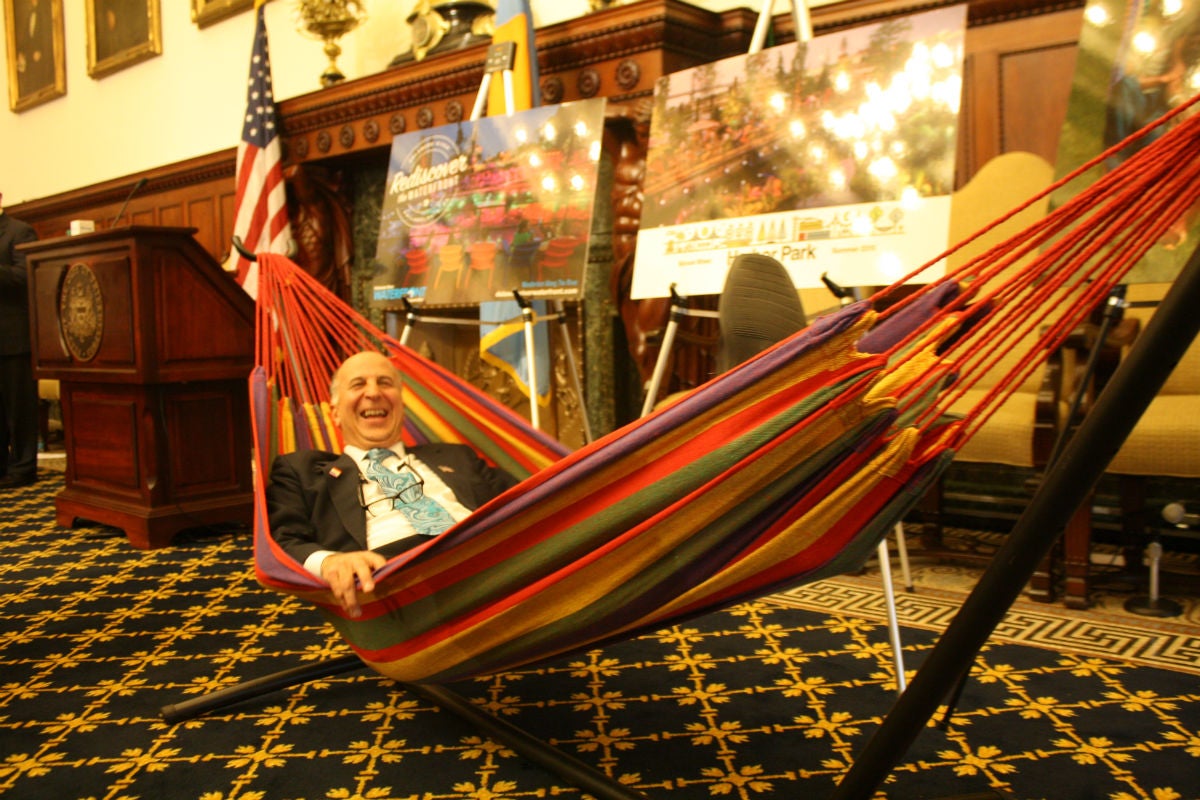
[[530, 747], [1114, 309], [189, 709], [1135, 383], [544, 755]]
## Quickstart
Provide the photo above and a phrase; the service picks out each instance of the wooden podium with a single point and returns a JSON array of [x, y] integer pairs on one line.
[[152, 343]]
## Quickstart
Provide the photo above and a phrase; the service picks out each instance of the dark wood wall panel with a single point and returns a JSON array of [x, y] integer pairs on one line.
[[226, 204], [201, 215], [1017, 81], [1032, 112], [172, 214], [169, 197]]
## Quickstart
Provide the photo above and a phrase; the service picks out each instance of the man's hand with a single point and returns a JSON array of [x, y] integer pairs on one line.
[[344, 570]]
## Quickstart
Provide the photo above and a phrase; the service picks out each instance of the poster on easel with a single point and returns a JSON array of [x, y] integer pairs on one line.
[[1137, 61], [476, 209], [835, 156]]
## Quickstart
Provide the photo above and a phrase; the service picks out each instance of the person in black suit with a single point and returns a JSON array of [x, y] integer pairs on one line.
[[332, 514], [18, 389]]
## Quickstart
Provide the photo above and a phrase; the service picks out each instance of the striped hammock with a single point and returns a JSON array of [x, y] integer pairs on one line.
[[787, 469]]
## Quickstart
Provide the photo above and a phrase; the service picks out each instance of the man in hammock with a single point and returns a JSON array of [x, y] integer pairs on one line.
[[343, 516]]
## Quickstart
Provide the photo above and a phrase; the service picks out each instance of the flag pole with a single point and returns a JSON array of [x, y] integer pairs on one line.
[[530, 356], [501, 56]]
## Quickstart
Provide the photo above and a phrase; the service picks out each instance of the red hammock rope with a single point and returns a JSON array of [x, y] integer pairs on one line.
[[1057, 270]]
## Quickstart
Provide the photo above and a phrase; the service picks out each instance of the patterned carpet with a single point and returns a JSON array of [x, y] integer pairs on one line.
[[1106, 629], [769, 699]]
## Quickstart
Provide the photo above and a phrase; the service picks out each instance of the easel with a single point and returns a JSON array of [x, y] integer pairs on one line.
[[530, 318], [803, 23], [800, 19], [500, 58]]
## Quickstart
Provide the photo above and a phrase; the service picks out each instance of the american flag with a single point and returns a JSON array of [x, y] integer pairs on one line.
[[260, 216]]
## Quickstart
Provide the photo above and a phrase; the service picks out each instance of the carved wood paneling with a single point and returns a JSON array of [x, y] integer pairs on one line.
[[1018, 80], [618, 53], [196, 193]]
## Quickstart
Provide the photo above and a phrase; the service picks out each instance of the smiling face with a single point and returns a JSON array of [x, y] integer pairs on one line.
[[365, 400]]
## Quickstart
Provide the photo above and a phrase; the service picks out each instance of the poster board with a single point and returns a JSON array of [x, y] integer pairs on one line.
[[836, 155], [476, 209], [1136, 62]]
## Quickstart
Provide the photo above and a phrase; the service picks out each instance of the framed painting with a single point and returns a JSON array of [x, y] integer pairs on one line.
[[121, 33], [36, 58], [206, 12], [1137, 61]]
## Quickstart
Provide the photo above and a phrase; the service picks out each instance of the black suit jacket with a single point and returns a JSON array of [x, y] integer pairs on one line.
[[14, 287], [313, 500]]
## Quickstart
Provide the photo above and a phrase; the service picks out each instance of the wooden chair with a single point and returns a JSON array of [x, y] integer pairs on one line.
[[1023, 430], [1165, 443]]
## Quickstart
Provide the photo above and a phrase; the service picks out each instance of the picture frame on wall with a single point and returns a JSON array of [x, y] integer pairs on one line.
[[206, 12], [121, 33], [36, 56]]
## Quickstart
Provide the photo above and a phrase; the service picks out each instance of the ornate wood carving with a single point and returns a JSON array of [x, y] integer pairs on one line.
[[617, 53], [319, 212]]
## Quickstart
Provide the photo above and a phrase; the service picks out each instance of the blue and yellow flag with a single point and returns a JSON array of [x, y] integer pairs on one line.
[[503, 345], [514, 23]]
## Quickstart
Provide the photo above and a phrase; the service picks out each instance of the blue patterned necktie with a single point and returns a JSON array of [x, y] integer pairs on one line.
[[427, 516]]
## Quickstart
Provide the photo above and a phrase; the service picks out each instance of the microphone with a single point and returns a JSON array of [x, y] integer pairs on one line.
[[1178, 516], [136, 187]]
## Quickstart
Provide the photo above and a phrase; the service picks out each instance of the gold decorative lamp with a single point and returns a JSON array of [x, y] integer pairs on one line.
[[330, 20]]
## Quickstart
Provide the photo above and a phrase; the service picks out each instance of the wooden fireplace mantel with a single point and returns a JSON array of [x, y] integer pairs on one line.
[[618, 53]]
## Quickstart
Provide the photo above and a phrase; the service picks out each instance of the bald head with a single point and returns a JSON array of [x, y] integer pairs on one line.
[[365, 400]]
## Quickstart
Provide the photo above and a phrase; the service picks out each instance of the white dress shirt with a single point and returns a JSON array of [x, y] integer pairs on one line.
[[385, 524]]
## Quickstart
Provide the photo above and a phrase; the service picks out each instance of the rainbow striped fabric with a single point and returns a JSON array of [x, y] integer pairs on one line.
[[786, 469]]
